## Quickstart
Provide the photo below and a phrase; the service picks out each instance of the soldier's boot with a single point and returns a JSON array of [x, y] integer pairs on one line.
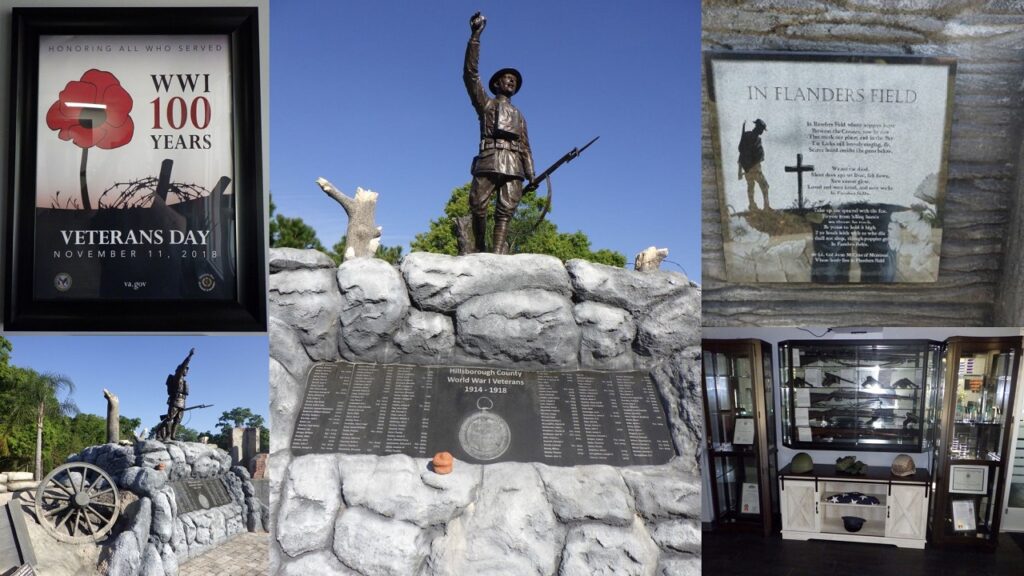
[[764, 191], [750, 198], [500, 230], [480, 233]]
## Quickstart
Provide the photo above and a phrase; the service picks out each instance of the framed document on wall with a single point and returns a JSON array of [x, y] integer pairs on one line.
[[136, 188]]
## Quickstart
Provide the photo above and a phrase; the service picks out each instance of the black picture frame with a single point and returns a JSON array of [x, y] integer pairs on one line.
[[246, 311]]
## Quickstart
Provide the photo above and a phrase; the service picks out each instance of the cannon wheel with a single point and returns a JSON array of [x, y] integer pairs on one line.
[[77, 503]]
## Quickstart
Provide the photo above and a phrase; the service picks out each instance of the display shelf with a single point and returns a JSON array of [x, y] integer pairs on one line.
[[977, 402], [857, 394], [740, 434], [871, 528]]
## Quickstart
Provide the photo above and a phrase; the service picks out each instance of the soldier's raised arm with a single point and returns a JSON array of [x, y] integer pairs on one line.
[[471, 66]]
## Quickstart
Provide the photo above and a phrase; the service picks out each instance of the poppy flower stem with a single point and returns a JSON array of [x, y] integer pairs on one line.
[[86, 205]]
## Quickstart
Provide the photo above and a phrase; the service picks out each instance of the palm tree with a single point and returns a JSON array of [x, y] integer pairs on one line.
[[37, 397]]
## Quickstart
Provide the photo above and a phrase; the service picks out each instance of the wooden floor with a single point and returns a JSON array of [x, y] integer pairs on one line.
[[744, 554]]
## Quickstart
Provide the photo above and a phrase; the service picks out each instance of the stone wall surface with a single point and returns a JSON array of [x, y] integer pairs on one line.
[[980, 273], [153, 538], [389, 515]]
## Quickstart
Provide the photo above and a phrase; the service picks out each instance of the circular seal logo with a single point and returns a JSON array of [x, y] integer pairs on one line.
[[62, 282], [207, 282], [485, 435]]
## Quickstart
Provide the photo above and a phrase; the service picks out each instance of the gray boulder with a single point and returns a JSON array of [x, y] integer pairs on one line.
[[308, 300], [440, 283], [152, 564], [607, 335], [163, 515], [286, 348], [144, 481], [125, 556], [588, 493], [322, 563], [285, 259], [599, 549], [414, 494], [377, 546], [529, 327], [664, 491], [679, 565], [309, 503], [669, 326], [510, 529], [627, 289], [285, 400], [426, 335], [373, 304], [681, 535]]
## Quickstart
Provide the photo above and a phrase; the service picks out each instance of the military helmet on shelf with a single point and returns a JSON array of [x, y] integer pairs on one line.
[[801, 463], [903, 465]]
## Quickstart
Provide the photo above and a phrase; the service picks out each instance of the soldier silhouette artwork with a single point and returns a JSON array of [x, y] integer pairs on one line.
[[751, 156], [177, 392], [504, 159]]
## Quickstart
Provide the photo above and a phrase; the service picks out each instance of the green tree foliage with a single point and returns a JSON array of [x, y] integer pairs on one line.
[[34, 399], [288, 232], [294, 233], [441, 237], [237, 417]]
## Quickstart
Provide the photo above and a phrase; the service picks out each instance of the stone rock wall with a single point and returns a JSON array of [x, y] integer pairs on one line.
[[152, 537], [373, 515], [982, 252]]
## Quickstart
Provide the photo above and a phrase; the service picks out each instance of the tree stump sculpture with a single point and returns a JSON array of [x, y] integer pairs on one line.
[[363, 236], [113, 417]]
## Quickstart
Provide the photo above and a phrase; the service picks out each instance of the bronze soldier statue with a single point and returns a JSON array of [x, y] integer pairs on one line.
[[177, 391], [751, 156], [505, 159]]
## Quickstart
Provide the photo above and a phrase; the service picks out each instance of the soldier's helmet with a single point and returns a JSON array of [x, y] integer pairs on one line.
[[903, 465], [760, 124], [494, 79], [802, 463]]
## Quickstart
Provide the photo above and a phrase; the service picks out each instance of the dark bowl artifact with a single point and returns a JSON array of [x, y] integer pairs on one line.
[[853, 523]]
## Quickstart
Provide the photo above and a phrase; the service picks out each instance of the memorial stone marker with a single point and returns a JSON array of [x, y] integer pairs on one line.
[[200, 494], [849, 154], [483, 414]]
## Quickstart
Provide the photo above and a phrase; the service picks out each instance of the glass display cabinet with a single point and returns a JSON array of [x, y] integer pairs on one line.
[[859, 395], [740, 434], [969, 460]]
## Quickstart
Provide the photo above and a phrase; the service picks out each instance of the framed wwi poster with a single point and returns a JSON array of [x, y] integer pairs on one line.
[[830, 168], [136, 189]]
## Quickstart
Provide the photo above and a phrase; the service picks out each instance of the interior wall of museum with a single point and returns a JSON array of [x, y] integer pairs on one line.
[[981, 281], [5, 87], [775, 335]]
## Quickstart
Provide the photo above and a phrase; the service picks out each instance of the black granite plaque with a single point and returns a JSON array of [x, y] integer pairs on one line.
[[483, 414], [203, 494]]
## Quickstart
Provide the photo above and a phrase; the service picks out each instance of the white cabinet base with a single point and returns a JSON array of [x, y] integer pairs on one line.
[[898, 516]]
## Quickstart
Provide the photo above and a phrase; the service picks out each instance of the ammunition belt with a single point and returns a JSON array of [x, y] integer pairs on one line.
[[491, 143]]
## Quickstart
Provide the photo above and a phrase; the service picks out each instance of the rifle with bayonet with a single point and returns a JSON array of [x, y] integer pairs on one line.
[[545, 177]]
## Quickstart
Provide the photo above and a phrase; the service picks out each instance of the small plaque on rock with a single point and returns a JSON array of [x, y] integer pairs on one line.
[[483, 414], [203, 494]]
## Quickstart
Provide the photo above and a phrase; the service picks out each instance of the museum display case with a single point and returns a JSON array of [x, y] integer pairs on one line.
[[740, 434], [969, 459], [862, 395]]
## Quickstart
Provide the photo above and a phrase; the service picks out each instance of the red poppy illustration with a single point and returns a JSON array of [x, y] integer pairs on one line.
[[93, 111]]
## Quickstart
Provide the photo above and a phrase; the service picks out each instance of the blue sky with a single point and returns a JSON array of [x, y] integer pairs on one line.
[[370, 94], [226, 371]]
